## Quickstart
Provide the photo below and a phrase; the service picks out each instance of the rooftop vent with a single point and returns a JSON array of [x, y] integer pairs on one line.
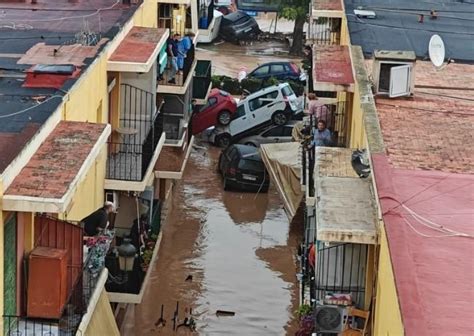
[[49, 76], [393, 72]]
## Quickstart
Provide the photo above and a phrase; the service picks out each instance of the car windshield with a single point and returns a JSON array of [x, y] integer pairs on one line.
[[287, 91], [253, 165], [223, 93]]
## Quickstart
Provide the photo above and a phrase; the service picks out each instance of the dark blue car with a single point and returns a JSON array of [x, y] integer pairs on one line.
[[279, 70]]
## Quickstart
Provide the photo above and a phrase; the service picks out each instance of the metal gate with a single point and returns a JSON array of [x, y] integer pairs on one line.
[[340, 268]]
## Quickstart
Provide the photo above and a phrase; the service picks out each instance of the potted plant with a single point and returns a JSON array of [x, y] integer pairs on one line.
[[146, 259]]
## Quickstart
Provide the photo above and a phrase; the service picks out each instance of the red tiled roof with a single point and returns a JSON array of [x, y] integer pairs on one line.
[[433, 270], [335, 5], [138, 45], [57, 161], [431, 130], [333, 64]]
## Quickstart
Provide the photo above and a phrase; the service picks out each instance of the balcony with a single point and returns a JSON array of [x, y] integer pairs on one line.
[[325, 30], [84, 280], [202, 81], [135, 145], [182, 78], [130, 287]]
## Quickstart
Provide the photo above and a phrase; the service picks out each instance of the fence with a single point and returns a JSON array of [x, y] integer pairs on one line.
[[340, 268], [325, 31], [141, 127]]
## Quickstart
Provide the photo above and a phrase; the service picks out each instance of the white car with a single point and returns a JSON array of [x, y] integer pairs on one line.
[[273, 105]]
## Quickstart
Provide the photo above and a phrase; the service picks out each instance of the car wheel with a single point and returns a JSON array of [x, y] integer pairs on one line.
[[226, 184], [223, 140], [224, 118], [279, 118], [250, 144]]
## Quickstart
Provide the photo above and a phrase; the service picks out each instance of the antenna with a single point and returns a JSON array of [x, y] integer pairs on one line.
[[436, 50]]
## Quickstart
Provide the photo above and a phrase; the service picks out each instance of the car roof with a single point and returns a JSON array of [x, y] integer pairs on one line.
[[246, 150], [232, 17], [264, 90], [271, 63]]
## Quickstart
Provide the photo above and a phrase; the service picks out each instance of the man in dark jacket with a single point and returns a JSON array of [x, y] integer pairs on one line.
[[98, 219]]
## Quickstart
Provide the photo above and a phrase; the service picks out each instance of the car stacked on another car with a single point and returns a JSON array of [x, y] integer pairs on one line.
[[242, 168], [218, 110], [273, 105]]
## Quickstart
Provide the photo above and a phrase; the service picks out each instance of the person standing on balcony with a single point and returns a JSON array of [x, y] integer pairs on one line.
[[319, 110], [173, 54], [97, 220], [322, 136], [139, 231]]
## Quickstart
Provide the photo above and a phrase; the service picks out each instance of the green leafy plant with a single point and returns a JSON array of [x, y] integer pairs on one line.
[[304, 310]]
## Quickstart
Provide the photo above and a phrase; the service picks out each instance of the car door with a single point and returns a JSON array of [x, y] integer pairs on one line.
[[240, 120], [261, 107], [203, 118]]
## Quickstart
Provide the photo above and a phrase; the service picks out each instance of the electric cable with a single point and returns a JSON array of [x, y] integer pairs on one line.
[[29, 108]]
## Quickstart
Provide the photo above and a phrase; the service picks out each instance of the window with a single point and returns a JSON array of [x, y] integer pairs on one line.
[[394, 79], [252, 165], [240, 112], [263, 100], [287, 91], [262, 71], [278, 68], [210, 102], [273, 132]]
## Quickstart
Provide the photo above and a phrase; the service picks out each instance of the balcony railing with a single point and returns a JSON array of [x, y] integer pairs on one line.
[[141, 126], [74, 310], [202, 79], [325, 31], [132, 282], [180, 77]]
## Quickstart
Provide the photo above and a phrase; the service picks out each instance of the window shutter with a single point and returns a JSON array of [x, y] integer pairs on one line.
[[400, 79]]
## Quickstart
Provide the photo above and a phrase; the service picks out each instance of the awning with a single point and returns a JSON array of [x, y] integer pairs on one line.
[[138, 50], [328, 8], [332, 68], [284, 166], [345, 204], [49, 180]]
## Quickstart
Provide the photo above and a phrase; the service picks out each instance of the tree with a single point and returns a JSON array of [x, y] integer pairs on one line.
[[295, 10]]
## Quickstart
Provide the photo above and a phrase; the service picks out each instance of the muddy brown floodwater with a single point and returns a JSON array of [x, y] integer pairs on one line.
[[239, 250]]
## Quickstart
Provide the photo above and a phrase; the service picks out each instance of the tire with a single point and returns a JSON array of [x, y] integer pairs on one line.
[[250, 144], [223, 140], [226, 184], [223, 118], [279, 118]]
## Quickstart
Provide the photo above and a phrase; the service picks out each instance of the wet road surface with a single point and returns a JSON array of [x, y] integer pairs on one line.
[[239, 250], [228, 59]]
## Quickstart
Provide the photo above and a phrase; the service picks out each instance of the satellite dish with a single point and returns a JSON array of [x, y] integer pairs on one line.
[[436, 50]]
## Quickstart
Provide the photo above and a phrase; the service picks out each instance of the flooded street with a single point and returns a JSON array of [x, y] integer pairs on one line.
[[221, 251]]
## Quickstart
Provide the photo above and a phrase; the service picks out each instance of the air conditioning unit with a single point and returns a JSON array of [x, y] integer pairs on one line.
[[112, 196], [331, 319], [393, 72]]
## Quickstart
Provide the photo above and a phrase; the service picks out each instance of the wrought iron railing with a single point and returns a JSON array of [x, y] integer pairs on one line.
[[341, 268], [202, 79], [141, 126], [325, 31], [73, 311]]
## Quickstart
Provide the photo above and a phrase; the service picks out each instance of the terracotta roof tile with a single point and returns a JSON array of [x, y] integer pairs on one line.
[[57, 161]]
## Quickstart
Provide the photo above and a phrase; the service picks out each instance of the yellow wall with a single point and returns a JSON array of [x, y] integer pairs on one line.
[[147, 14], [388, 320], [102, 321], [89, 195], [345, 37], [358, 137]]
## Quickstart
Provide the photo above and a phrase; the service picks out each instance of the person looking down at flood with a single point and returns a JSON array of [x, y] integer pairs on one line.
[[97, 220]]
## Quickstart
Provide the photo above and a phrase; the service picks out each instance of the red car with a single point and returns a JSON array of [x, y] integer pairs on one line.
[[219, 109]]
